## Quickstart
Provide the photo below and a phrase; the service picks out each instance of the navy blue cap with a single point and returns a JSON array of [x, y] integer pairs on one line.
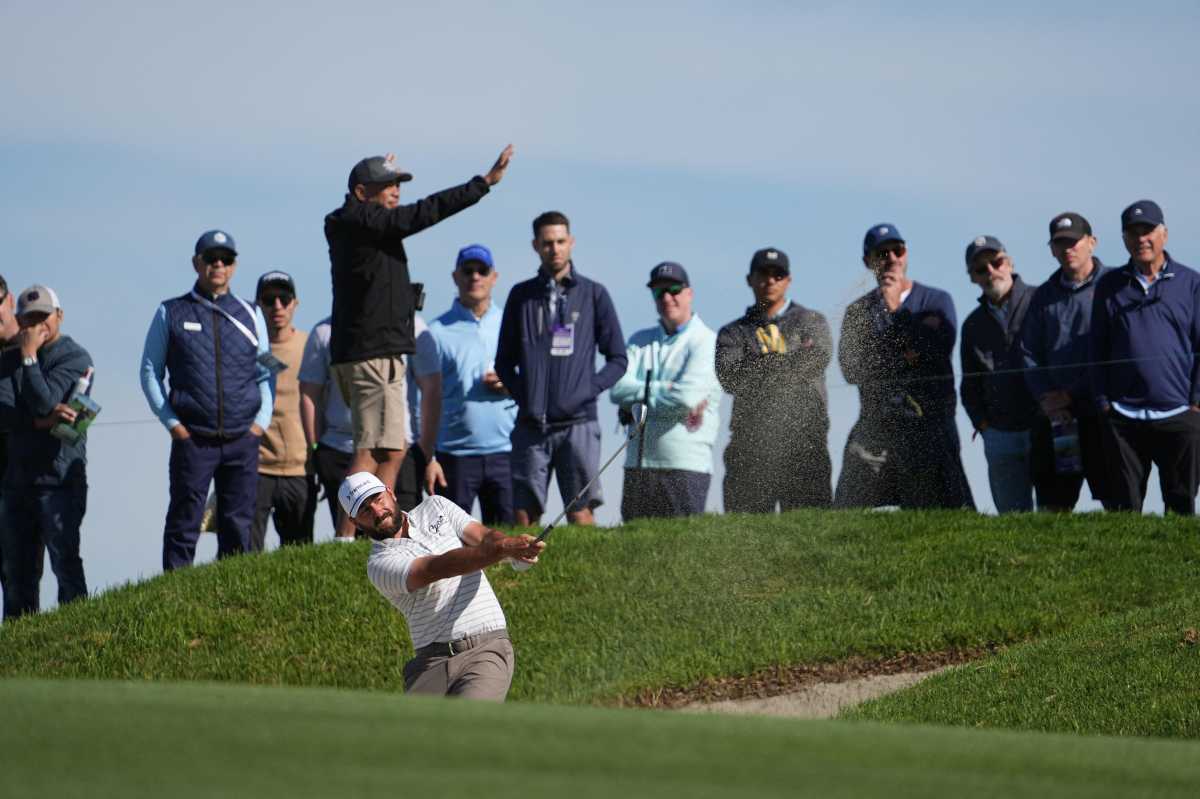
[[771, 258], [668, 272], [474, 252], [880, 234], [215, 240], [377, 169], [983, 244], [1142, 212], [275, 278]]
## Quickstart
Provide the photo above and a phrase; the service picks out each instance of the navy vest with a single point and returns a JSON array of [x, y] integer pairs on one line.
[[212, 366]]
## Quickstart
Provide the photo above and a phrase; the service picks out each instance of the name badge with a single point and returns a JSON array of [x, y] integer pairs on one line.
[[192, 326], [562, 339]]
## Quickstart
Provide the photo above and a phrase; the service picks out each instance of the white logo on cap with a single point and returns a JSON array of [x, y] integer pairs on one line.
[[1137, 211], [772, 255], [220, 238], [882, 230], [979, 242], [1063, 223]]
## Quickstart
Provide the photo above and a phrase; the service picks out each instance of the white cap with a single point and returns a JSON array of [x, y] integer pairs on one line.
[[357, 489]]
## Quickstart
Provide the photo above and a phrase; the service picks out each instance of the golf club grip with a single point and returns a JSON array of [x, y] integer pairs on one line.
[[542, 535]]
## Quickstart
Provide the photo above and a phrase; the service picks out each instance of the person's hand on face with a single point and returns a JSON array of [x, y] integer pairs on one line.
[[889, 262], [33, 334]]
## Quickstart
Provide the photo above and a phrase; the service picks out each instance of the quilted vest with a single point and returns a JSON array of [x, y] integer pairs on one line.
[[212, 366]]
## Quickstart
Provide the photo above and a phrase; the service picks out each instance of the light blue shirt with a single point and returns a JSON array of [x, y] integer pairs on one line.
[[336, 429], [154, 370], [475, 420], [683, 375]]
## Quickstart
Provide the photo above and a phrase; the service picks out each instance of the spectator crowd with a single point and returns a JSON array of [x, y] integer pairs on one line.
[[1088, 377]]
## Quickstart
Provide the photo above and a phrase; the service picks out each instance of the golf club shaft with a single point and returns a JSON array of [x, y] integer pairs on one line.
[[567, 508]]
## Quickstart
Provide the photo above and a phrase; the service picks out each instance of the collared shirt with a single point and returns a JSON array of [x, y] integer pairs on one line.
[[475, 420], [447, 609], [1132, 411]]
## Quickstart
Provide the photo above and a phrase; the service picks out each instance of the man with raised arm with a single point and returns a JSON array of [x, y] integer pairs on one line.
[[429, 564]]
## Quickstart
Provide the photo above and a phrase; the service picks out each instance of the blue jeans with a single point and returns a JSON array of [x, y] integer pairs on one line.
[[1010, 469], [39, 519], [488, 477]]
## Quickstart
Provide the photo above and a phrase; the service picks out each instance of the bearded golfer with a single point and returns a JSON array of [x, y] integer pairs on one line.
[[429, 563]]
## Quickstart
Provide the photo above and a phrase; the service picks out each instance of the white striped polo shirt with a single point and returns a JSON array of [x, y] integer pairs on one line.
[[445, 610]]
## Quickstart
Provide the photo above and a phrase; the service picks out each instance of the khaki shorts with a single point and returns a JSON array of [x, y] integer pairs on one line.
[[377, 395]]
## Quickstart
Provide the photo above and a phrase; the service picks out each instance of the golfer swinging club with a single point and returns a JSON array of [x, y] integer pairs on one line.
[[429, 563]]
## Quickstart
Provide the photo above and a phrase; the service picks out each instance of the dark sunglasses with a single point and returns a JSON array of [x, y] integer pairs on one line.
[[979, 270], [882, 253], [224, 256], [475, 269], [269, 300], [777, 274], [673, 289]]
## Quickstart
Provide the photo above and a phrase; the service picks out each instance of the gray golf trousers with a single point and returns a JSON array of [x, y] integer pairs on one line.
[[476, 667]]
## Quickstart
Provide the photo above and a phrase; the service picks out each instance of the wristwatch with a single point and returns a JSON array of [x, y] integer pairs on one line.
[[27, 361]]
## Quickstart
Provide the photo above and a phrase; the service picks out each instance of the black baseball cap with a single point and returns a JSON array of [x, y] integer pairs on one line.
[[275, 278], [668, 272], [1142, 212], [983, 244], [771, 258], [1069, 225], [377, 169]]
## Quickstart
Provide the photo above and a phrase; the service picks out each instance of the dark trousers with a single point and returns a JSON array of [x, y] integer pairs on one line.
[[663, 493], [1060, 492], [294, 502], [1172, 444], [904, 463], [794, 474], [408, 482], [195, 462], [34, 520], [488, 477], [331, 466]]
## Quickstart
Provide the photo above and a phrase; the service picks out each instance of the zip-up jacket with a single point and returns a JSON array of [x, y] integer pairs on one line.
[[35, 457], [1056, 338], [993, 383], [558, 390], [901, 361], [373, 301], [218, 387], [1145, 340], [680, 368], [775, 369]]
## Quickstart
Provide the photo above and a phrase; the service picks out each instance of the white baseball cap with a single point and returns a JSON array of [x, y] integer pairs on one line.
[[357, 489]]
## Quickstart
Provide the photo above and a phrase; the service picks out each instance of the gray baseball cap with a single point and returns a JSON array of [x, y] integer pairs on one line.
[[37, 299], [377, 169]]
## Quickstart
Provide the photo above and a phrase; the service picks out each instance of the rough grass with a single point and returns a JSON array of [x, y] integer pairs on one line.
[[131, 740], [611, 613], [1134, 673]]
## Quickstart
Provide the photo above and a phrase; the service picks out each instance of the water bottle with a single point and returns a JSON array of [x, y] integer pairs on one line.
[[1068, 457]]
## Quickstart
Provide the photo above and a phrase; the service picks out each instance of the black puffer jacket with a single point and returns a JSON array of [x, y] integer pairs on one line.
[[372, 292], [993, 382]]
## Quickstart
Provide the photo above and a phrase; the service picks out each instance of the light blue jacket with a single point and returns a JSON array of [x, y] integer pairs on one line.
[[682, 375]]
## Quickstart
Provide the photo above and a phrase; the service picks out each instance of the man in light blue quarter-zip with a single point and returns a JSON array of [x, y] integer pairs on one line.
[[672, 371]]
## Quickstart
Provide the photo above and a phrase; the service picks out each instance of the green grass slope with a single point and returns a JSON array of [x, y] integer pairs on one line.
[[612, 612], [129, 740], [1134, 673]]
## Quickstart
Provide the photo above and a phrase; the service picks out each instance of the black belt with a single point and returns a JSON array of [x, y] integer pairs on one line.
[[452, 648]]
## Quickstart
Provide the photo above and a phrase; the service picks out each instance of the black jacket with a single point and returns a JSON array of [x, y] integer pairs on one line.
[[778, 384], [372, 294], [993, 384]]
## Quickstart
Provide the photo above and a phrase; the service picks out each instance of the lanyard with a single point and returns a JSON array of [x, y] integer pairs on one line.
[[212, 306]]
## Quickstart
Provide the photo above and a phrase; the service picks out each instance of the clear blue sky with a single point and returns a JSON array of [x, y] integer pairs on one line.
[[695, 132]]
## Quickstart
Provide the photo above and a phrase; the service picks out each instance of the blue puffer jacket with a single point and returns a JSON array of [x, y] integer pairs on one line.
[[213, 365], [559, 390]]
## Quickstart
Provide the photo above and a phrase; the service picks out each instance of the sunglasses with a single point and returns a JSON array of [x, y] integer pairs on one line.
[[882, 253], [673, 289], [979, 270], [475, 269], [270, 300], [775, 274], [224, 256]]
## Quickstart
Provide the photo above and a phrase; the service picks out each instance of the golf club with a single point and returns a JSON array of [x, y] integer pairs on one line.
[[636, 429]]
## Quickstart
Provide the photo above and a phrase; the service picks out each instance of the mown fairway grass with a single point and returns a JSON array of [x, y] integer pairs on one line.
[[613, 612], [126, 740], [1134, 673]]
